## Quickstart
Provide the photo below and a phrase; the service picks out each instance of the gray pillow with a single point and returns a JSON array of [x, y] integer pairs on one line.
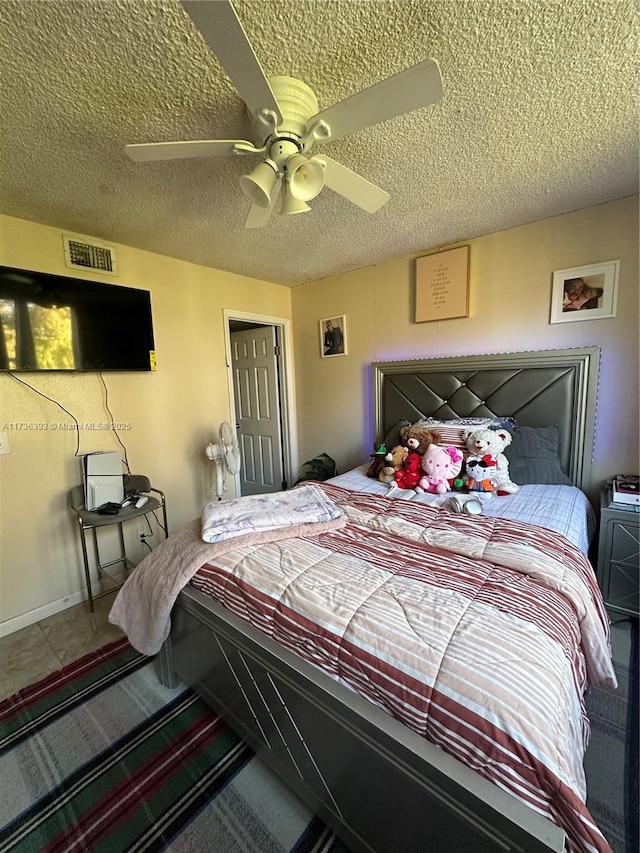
[[392, 438], [533, 457]]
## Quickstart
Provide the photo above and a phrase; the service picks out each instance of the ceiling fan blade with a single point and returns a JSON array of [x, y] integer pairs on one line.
[[146, 152], [418, 86], [352, 186], [259, 216], [221, 29]]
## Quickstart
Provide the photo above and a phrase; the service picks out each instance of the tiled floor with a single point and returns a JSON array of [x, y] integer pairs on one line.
[[31, 653]]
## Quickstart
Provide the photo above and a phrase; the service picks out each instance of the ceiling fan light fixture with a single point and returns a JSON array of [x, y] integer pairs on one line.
[[291, 204], [259, 183], [286, 122], [305, 177]]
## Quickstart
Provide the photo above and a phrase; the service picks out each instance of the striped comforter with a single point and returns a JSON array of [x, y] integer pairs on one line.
[[478, 633]]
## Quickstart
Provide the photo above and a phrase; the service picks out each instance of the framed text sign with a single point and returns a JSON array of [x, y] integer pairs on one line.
[[442, 285]]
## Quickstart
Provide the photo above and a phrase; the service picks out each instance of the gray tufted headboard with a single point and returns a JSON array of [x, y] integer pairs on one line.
[[536, 388]]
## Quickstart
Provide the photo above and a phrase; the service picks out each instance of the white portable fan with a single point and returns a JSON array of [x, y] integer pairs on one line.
[[286, 122], [226, 455]]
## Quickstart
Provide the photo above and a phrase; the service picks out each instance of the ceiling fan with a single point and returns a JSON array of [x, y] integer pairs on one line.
[[286, 123]]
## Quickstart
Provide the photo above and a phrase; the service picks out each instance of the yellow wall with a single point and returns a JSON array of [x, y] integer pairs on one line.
[[510, 290], [173, 414]]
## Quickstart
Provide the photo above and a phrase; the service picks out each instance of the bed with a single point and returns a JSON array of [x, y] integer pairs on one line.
[[373, 729], [559, 506]]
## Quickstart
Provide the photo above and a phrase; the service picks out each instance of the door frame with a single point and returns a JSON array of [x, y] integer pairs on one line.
[[286, 381]]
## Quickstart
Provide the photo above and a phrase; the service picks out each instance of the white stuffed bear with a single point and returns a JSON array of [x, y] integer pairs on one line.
[[481, 441]]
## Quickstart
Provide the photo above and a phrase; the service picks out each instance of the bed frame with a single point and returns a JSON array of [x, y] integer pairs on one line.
[[536, 388], [378, 785]]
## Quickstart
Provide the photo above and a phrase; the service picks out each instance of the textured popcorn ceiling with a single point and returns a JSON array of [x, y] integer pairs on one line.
[[539, 117]]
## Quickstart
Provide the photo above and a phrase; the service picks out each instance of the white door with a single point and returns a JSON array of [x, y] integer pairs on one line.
[[254, 363]]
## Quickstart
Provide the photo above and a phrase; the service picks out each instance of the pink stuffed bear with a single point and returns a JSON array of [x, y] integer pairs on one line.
[[440, 465]]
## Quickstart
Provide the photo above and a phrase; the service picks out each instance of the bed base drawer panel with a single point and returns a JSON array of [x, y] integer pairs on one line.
[[247, 697], [378, 785], [324, 762]]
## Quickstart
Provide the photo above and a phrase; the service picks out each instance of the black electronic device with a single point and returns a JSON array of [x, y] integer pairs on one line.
[[109, 509], [54, 322]]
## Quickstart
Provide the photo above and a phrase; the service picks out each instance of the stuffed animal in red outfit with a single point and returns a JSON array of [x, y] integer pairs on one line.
[[409, 475]]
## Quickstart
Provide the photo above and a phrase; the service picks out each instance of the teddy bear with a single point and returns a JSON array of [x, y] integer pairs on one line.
[[394, 460], [481, 473], [418, 437], [482, 441], [409, 475], [440, 466]]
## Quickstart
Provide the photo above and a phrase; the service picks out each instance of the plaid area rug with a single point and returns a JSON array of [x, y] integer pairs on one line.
[[612, 763], [100, 757]]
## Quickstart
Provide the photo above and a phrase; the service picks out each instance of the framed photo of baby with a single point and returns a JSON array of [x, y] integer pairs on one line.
[[333, 336], [585, 293]]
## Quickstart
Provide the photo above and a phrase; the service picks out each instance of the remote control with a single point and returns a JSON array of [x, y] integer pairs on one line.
[[141, 502]]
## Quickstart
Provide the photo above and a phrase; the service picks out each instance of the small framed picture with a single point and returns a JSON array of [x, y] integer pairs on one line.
[[585, 293], [333, 336]]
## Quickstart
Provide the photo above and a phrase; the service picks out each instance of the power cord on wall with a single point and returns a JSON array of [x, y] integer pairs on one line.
[[51, 400], [143, 536], [73, 417], [158, 522], [115, 432]]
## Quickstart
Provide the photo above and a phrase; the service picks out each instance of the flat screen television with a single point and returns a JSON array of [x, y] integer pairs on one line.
[[53, 322]]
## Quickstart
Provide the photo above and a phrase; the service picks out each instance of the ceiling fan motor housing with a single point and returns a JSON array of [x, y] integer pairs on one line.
[[281, 151], [297, 103]]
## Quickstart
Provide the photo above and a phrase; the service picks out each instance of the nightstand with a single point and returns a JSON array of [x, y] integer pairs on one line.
[[93, 521], [618, 569]]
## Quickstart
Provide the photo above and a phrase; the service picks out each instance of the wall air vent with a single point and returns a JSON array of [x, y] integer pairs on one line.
[[89, 256]]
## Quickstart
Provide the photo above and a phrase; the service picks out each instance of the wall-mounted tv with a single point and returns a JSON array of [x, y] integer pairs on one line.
[[53, 322]]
